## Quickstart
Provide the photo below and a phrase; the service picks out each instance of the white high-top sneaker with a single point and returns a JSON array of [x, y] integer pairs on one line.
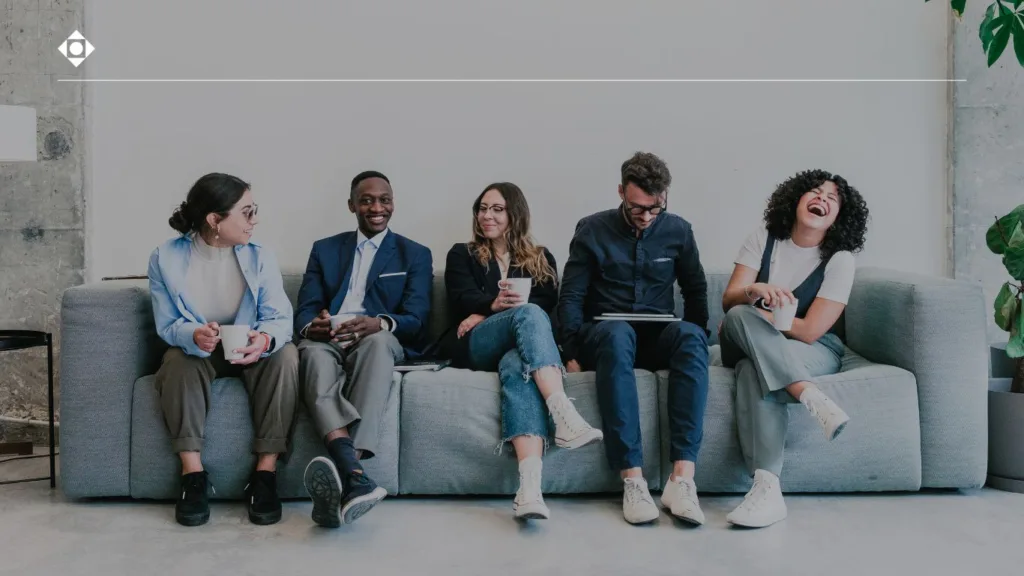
[[830, 416], [571, 430], [763, 505], [637, 505], [680, 498], [529, 502]]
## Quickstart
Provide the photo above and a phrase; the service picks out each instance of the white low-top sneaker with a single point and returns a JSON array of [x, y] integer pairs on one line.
[[680, 498], [763, 505], [637, 505]]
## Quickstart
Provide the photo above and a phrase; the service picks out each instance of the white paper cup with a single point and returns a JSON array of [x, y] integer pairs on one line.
[[520, 286], [339, 319], [232, 337], [783, 316]]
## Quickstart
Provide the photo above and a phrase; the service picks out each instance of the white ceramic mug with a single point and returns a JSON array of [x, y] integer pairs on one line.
[[232, 337], [339, 319], [520, 286], [783, 315]]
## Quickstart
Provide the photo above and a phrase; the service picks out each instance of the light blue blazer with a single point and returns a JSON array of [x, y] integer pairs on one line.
[[265, 306]]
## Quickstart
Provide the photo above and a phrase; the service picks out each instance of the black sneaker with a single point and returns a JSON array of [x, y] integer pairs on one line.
[[193, 507], [324, 486], [264, 505], [361, 494]]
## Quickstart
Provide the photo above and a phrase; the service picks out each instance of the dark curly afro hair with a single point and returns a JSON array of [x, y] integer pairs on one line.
[[647, 172], [847, 233]]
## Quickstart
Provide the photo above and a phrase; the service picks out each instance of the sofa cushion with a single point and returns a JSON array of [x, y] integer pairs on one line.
[[451, 429], [880, 449], [226, 452]]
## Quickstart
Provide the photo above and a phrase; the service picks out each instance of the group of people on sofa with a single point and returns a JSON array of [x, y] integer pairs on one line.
[[364, 303]]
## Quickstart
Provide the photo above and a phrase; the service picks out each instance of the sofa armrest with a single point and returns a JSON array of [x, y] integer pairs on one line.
[[107, 342], [935, 328]]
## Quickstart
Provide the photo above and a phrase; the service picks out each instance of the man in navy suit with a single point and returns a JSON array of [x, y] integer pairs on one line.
[[380, 282]]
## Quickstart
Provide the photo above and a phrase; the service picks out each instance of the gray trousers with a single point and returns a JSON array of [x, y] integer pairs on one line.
[[183, 383], [349, 388], [766, 362]]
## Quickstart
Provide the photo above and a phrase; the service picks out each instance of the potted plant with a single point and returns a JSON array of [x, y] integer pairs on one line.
[[1006, 395]]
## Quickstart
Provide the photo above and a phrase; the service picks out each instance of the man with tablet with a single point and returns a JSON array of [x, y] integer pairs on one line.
[[615, 312]]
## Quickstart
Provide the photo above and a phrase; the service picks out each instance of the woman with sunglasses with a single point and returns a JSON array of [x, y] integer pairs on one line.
[[210, 276], [501, 323]]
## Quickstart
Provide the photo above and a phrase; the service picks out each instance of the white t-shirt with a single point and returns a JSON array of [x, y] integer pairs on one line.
[[792, 264]]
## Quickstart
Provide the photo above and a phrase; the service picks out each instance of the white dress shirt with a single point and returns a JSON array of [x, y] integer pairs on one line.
[[362, 261]]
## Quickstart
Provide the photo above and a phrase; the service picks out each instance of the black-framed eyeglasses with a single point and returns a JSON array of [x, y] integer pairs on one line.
[[250, 212], [637, 210]]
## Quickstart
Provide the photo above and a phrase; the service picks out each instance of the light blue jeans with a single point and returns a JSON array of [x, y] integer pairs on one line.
[[517, 342]]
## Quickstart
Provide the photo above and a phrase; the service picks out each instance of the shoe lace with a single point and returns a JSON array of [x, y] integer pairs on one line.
[[756, 495], [529, 487], [636, 494], [194, 486], [564, 413], [688, 490], [821, 410]]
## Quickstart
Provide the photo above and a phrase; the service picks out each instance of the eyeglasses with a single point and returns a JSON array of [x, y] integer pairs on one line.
[[250, 213], [636, 210], [483, 208]]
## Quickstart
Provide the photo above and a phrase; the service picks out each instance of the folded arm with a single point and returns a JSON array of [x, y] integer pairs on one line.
[[274, 313], [170, 325], [575, 280]]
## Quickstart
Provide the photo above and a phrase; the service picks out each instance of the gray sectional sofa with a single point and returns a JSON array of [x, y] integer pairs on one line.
[[913, 382]]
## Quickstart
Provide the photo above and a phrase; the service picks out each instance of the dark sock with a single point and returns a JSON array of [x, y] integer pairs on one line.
[[343, 453]]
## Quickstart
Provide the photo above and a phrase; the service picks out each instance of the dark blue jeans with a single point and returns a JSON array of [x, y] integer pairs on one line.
[[517, 342], [613, 349]]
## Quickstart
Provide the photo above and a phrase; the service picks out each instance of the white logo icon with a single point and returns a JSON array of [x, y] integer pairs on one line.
[[76, 48]]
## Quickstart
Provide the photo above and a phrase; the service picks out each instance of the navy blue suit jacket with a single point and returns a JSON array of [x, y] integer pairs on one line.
[[399, 284]]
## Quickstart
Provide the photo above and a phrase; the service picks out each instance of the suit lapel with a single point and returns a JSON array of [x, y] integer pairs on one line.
[[384, 255], [345, 260]]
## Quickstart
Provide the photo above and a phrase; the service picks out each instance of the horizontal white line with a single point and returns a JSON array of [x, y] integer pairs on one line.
[[514, 80]]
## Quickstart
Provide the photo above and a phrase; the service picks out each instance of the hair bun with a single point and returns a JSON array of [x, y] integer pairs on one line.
[[180, 220]]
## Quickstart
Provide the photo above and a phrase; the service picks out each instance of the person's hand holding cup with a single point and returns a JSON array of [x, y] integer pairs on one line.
[[207, 336], [513, 292]]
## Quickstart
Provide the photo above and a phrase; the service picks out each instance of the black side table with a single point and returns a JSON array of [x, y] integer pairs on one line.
[[19, 340]]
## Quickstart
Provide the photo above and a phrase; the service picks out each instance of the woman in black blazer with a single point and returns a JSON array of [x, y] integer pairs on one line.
[[500, 327]]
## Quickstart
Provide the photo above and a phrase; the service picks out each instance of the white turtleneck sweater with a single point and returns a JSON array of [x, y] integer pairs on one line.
[[214, 283]]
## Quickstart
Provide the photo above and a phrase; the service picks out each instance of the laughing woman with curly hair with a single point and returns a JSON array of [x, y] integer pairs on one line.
[[802, 258]]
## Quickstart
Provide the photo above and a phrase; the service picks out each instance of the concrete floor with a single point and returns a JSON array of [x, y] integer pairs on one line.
[[933, 533]]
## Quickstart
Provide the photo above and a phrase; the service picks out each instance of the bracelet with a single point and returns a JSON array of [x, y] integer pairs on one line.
[[266, 346]]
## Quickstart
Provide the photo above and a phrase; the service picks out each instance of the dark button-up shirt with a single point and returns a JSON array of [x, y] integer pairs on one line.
[[612, 269]]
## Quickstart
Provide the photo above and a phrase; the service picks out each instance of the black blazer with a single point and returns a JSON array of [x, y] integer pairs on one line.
[[471, 289]]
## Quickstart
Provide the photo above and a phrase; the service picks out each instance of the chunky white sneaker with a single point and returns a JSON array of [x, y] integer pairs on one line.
[[529, 502], [680, 498], [637, 505], [763, 505], [829, 415], [571, 430]]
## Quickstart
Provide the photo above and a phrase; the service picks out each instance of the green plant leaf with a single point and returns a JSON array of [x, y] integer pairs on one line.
[[1001, 39], [1008, 224], [1015, 347], [1006, 307], [987, 31], [1013, 258], [1018, 35]]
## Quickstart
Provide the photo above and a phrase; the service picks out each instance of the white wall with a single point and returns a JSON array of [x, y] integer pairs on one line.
[[727, 144]]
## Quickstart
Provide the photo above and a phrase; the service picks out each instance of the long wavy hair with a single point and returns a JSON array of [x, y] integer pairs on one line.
[[523, 251], [846, 233]]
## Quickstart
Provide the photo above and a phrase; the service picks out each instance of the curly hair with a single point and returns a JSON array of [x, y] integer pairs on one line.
[[647, 172], [525, 252], [846, 233]]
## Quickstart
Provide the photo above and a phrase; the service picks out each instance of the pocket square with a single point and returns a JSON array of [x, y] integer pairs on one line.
[[389, 274], [660, 260]]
